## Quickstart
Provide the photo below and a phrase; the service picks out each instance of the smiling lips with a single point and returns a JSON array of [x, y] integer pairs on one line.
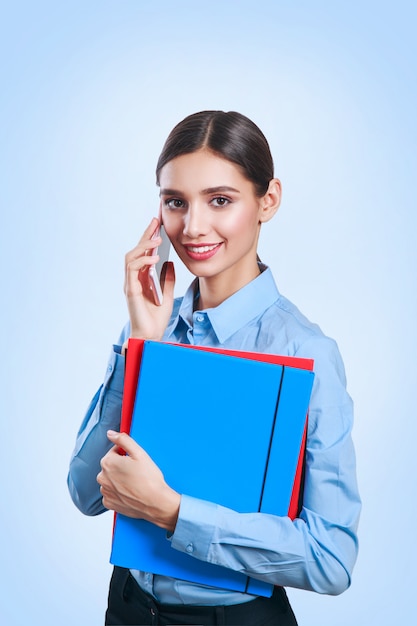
[[201, 252]]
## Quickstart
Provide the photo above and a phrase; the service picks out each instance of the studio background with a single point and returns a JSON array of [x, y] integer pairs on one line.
[[89, 91]]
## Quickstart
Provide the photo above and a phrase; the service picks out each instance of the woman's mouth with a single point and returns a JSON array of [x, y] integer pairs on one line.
[[201, 252]]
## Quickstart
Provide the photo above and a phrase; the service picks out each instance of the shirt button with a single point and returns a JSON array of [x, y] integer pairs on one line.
[[110, 368], [200, 318], [190, 548]]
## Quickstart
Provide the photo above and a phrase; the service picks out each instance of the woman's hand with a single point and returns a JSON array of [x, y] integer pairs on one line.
[[134, 486], [147, 320]]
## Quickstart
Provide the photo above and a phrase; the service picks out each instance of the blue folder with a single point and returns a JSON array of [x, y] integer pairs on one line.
[[223, 429]]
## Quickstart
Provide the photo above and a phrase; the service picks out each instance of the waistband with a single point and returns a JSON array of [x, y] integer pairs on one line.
[[252, 612]]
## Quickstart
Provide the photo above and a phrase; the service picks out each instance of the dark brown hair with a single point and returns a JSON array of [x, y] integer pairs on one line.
[[231, 136]]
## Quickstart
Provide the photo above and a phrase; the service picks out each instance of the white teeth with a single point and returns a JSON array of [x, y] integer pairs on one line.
[[201, 249]]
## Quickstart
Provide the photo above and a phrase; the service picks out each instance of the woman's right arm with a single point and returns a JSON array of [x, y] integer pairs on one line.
[[92, 442], [147, 321]]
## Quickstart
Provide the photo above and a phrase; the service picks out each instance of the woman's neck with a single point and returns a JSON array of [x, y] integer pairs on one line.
[[216, 289]]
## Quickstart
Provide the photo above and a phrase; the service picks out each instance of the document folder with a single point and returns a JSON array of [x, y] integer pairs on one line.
[[222, 428]]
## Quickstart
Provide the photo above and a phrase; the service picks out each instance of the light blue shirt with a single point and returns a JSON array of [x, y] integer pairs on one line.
[[317, 551]]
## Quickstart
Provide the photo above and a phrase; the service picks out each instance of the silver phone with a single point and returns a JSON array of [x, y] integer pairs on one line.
[[155, 270]]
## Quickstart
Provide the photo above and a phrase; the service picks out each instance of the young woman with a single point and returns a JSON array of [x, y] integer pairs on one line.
[[217, 188]]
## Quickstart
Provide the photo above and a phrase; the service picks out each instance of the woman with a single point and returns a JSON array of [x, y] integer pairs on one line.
[[217, 188]]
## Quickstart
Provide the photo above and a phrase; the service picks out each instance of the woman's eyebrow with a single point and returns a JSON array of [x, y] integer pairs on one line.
[[220, 189], [203, 192], [170, 192]]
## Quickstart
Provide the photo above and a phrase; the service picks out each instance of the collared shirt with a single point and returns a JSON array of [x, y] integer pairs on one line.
[[317, 551]]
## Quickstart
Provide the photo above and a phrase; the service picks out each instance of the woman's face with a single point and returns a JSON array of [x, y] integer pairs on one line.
[[212, 216]]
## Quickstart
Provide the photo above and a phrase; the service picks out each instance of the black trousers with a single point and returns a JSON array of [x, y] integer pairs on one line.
[[128, 605]]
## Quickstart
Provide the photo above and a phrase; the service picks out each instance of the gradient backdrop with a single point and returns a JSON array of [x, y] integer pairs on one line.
[[89, 90]]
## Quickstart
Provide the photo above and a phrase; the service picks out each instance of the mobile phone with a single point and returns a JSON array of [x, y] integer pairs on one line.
[[155, 270]]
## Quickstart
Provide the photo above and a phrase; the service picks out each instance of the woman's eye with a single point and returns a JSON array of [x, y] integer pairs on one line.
[[220, 201], [174, 203]]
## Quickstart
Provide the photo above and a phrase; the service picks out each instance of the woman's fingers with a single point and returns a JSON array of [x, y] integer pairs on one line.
[[138, 259], [143, 248], [135, 271], [150, 230], [146, 243], [139, 263]]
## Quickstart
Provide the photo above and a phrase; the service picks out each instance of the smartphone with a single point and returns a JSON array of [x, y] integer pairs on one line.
[[155, 270]]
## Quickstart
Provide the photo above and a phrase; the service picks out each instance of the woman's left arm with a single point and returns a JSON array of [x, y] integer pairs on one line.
[[317, 551]]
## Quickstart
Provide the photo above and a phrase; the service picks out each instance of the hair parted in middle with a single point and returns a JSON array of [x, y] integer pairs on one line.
[[230, 135]]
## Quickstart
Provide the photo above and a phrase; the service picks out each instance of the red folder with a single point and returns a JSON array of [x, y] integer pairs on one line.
[[132, 369]]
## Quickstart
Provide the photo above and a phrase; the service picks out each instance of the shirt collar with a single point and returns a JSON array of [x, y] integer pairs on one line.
[[235, 312]]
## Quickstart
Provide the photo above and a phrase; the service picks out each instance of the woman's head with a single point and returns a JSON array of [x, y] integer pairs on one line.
[[231, 136], [216, 189]]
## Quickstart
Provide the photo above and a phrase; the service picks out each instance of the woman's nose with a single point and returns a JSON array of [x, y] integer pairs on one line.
[[195, 222]]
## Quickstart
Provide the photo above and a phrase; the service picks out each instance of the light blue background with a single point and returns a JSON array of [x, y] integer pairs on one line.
[[88, 91]]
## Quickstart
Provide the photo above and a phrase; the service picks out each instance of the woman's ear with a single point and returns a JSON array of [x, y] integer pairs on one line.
[[270, 201]]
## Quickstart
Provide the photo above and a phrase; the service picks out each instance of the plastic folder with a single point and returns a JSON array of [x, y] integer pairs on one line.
[[222, 428]]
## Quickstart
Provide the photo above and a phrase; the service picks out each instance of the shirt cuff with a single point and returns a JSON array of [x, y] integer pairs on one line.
[[195, 527]]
